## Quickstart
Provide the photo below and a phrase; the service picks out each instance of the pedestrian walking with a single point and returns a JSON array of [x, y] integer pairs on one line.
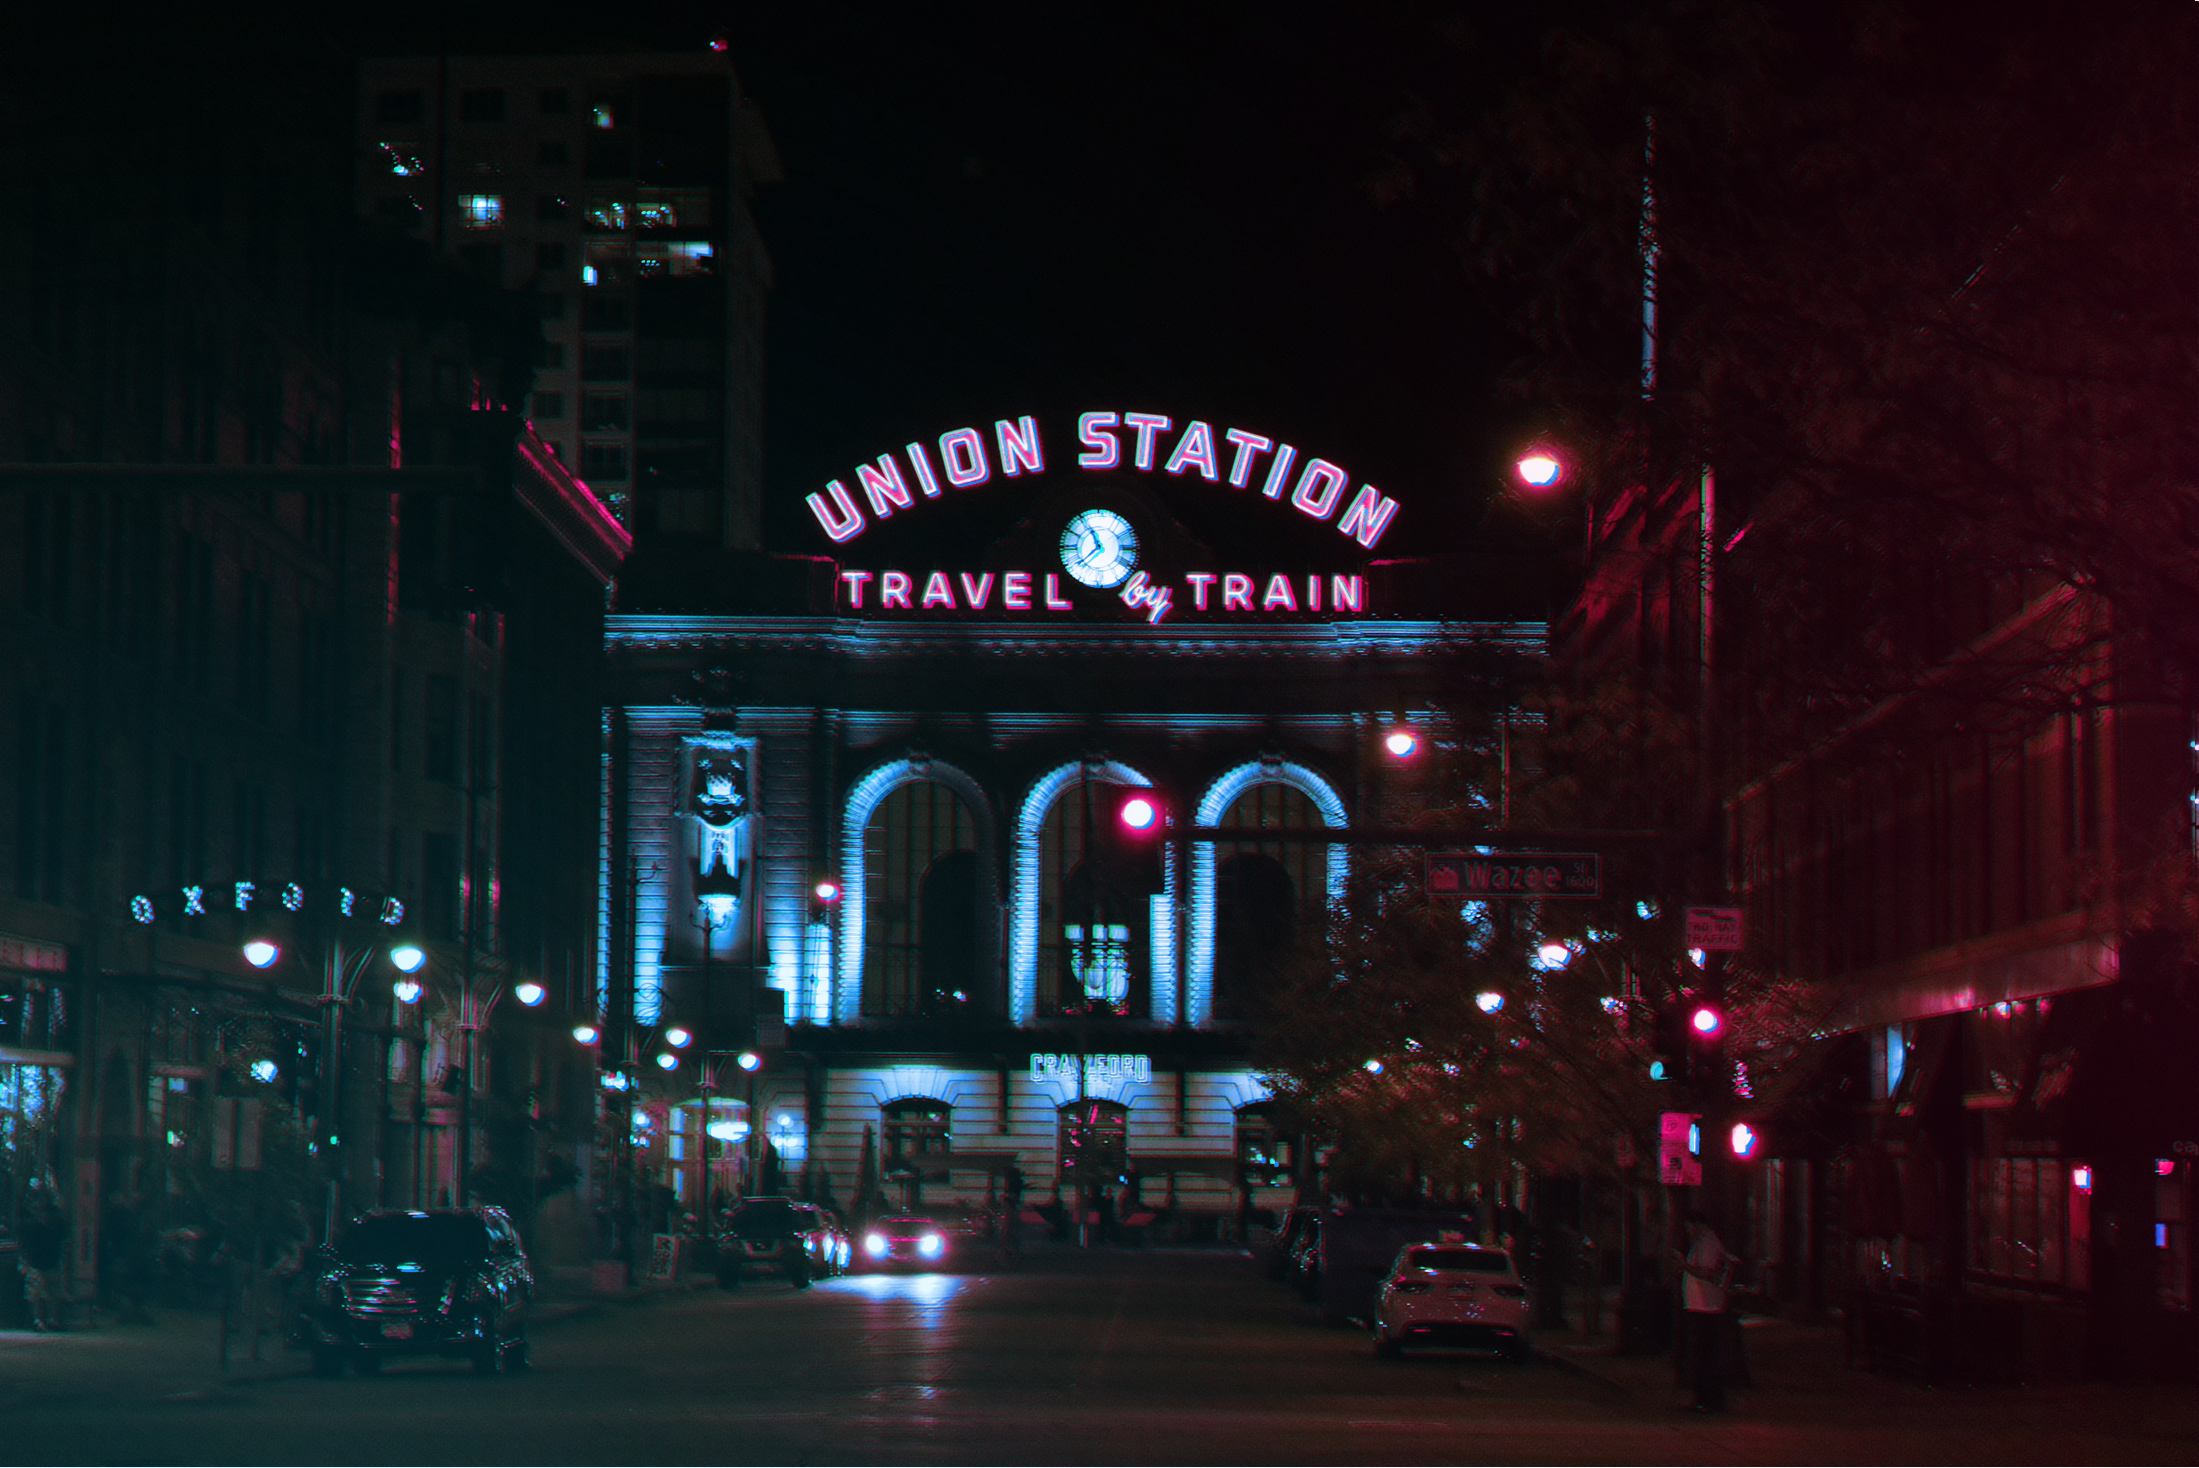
[[44, 1235], [1706, 1269]]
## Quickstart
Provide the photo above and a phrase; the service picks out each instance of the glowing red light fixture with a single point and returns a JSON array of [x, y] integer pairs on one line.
[[1401, 743], [1706, 1021], [828, 891], [1140, 813], [1539, 468], [1744, 1140]]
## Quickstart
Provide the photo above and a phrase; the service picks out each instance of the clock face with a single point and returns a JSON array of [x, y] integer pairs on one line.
[[1098, 548]]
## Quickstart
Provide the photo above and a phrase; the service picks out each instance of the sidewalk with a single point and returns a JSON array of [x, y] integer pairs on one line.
[[1792, 1368], [178, 1357]]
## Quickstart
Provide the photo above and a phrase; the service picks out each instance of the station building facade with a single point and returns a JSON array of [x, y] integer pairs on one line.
[[1003, 973]]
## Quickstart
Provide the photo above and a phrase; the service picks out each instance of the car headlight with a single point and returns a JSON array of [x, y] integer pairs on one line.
[[874, 1245], [931, 1246]]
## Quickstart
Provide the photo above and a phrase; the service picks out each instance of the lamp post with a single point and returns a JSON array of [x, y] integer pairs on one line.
[[341, 966]]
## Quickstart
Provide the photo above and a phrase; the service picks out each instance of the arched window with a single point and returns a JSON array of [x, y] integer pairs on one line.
[[1264, 1150], [921, 904], [1265, 897], [1096, 889], [1094, 1141], [919, 1135]]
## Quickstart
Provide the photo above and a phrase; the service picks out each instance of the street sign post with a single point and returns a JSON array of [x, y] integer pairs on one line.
[[1714, 929], [1526, 874], [1678, 1163]]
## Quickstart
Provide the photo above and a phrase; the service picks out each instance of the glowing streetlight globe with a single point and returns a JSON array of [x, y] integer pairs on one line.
[[750, 1060], [260, 953], [585, 1034], [408, 991], [1554, 955], [530, 993], [677, 1038], [1401, 743], [1139, 814], [1706, 1021], [1540, 469], [409, 957], [828, 891], [1488, 1001], [668, 1061], [1374, 1067]]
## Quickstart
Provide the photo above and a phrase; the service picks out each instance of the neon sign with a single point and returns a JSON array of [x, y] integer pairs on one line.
[[963, 459], [1111, 1067], [1032, 591]]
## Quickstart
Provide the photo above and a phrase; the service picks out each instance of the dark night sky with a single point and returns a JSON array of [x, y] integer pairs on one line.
[[1044, 209]]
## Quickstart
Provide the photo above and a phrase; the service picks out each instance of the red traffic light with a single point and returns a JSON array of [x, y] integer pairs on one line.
[[1706, 1022], [1140, 813]]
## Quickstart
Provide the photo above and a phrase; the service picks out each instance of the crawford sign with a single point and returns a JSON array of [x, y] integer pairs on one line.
[[964, 460]]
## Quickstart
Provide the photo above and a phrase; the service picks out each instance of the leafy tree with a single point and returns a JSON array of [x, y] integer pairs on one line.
[[1439, 1045]]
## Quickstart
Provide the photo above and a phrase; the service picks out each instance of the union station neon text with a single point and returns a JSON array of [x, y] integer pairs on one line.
[[961, 459]]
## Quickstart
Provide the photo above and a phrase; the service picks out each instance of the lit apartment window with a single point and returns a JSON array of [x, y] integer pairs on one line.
[[660, 208], [549, 405], [481, 211], [602, 213], [603, 115], [610, 262], [676, 257]]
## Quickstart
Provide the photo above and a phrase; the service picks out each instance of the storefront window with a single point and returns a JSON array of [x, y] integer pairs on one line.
[[1263, 1150], [1094, 1141]]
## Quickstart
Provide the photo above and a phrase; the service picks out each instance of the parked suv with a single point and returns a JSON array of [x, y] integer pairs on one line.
[[775, 1235], [447, 1282]]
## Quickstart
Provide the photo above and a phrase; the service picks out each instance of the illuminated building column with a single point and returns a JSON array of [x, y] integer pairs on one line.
[[1199, 982]]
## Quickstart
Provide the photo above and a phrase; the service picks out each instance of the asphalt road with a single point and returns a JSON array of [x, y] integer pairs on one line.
[[1120, 1358]]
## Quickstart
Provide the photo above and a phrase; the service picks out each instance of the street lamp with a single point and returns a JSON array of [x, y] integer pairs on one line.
[[1540, 467], [529, 993], [260, 953], [1402, 743], [586, 1034]]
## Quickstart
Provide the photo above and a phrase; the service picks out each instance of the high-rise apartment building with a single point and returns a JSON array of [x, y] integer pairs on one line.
[[616, 188]]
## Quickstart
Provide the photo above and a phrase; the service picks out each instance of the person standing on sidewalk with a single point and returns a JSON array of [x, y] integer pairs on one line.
[[44, 1236], [1705, 1270]]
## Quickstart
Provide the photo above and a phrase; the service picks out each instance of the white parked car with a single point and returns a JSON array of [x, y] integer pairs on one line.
[[1452, 1295]]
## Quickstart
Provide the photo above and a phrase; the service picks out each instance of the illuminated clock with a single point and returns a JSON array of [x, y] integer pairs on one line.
[[1098, 548]]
